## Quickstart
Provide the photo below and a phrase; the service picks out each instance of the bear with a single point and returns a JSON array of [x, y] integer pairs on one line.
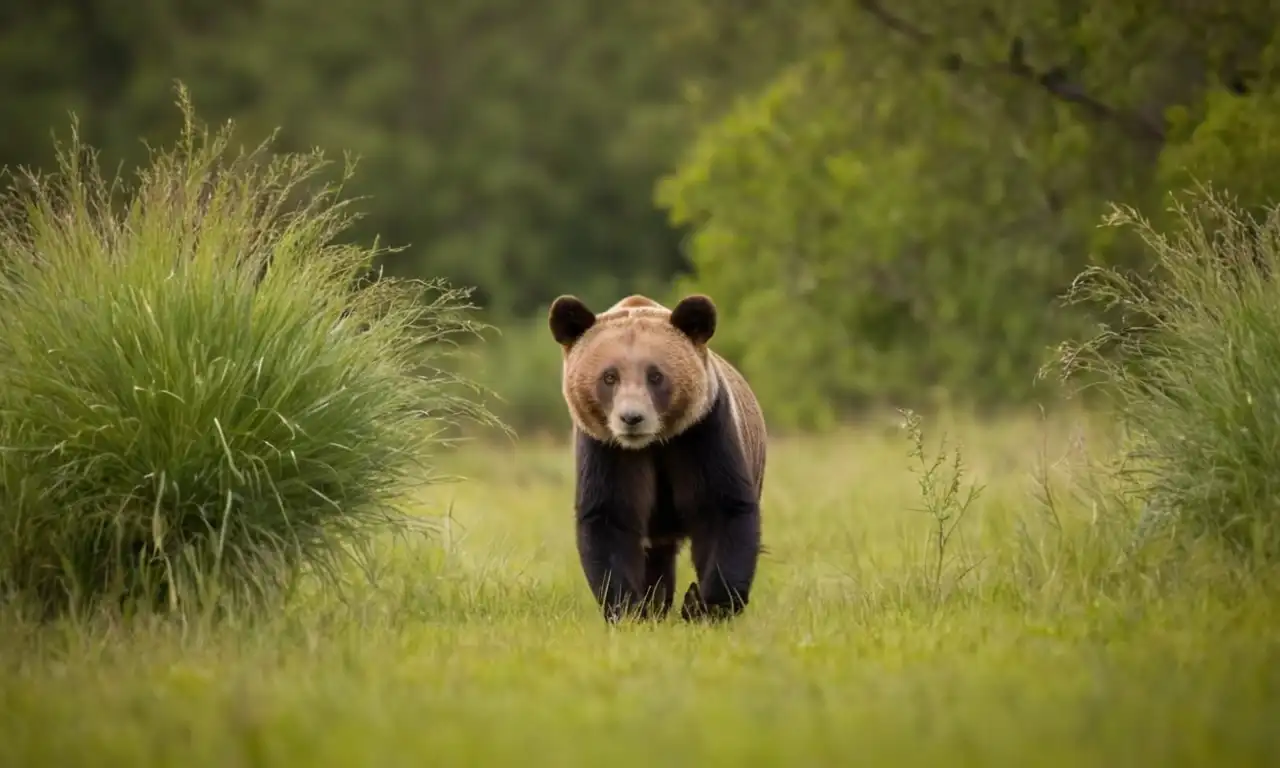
[[669, 445]]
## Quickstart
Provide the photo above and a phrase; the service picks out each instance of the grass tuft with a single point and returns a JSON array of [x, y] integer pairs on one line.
[[939, 482], [1193, 371], [203, 394]]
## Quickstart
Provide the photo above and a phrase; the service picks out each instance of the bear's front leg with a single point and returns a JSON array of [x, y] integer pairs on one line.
[[726, 546], [613, 561], [613, 497]]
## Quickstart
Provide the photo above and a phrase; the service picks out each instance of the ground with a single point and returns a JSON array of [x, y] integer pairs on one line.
[[482, 645]]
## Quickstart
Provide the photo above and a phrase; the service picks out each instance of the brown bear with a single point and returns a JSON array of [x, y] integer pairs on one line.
[[669, 445]]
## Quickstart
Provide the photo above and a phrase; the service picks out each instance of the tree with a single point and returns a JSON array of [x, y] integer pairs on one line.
[[898, 209]]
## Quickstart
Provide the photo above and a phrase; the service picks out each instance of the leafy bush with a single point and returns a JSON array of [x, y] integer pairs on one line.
[[199, 388], [1193, 369]]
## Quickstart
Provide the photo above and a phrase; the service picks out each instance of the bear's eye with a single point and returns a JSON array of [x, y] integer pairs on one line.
[[655, 377], [609, 378]]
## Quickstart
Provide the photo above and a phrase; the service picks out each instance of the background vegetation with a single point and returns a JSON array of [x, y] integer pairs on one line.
[[201, 396], [888, 196]]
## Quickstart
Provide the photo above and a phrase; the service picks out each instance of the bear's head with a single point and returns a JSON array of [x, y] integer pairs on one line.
[[637, 373]]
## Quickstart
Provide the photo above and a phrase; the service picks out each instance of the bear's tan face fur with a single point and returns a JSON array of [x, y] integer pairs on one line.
[[632, 376]]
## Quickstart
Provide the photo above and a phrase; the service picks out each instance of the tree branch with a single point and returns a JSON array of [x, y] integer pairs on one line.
[[1053, 81]]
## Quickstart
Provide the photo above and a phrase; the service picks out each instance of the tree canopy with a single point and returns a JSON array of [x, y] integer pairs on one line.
[[887, 196]]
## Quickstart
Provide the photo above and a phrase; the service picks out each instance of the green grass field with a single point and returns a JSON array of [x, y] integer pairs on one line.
[[482, 645]]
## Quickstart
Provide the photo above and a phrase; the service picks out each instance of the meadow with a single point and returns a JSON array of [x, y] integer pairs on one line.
[[1034, 638], [214, 429]]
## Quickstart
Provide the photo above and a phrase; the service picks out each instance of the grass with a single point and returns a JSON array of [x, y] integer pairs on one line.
[[163, 397], [1192, 361], [202, 394], [1035, 640]]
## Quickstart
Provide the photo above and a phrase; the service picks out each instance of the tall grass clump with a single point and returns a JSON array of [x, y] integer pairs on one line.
[[201, 391], [1192, 369]]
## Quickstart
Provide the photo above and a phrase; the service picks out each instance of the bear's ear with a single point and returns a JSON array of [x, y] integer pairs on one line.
[[569, 318], [695, 317]]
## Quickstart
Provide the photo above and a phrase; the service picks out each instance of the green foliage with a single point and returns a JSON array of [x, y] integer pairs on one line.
[[1194, 369], [1235, 138], [843, 252], [887, 196], [895, 211], [508, 146], [172, 428]]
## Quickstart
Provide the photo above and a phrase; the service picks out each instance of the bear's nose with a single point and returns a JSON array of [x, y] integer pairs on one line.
[[631, 418]]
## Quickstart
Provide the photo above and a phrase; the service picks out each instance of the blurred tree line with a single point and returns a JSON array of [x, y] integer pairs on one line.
[[885, 199]]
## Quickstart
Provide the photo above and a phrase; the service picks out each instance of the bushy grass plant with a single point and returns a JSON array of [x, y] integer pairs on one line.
[[202, 390], [1192, 369]]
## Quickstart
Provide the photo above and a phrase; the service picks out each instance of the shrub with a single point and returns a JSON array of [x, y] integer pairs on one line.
[[1193, 369], [200, 386]]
